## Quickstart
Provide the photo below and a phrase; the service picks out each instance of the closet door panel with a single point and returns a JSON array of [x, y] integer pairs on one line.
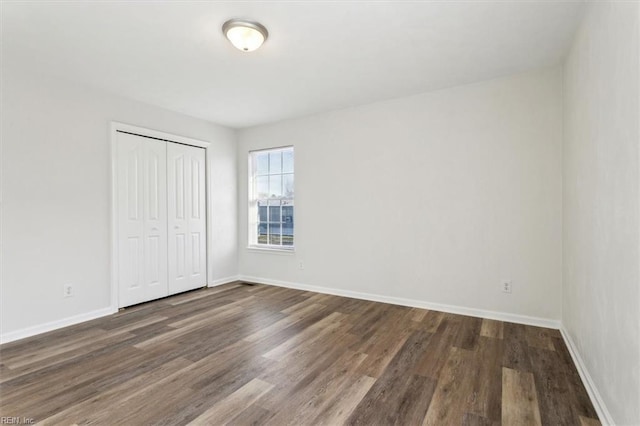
[[130, 179], [187, 219], [155, 192], [178, 191], [142, 242], [197, 218]]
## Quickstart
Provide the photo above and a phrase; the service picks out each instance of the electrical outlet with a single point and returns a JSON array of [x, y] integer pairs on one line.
[[68, 290], [301, 265], [506, 286]]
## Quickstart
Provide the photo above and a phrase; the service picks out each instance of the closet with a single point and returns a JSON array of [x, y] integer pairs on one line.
[[161, 218]]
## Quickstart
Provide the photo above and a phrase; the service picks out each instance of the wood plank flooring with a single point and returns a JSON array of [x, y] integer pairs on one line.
[[260, 355]]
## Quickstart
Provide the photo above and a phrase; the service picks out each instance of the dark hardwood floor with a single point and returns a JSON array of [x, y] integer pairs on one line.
[[241, 355]]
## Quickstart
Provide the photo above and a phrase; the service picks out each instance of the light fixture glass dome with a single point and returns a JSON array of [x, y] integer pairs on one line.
[[245, 35]]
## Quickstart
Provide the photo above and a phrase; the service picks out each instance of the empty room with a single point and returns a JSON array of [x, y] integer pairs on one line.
[[320, 212]]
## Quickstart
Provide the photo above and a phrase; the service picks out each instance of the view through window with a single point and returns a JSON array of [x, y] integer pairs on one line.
[[272, 195]]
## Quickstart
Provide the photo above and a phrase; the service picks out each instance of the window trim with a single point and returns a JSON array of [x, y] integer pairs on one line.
[[252, 206]]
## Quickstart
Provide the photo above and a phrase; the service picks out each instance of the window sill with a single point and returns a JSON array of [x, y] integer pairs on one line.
[[272, 250]]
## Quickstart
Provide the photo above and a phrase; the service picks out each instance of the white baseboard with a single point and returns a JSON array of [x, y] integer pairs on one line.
[[592, 390], [12, 336], [460, 310], [221, 281], [54, 325]]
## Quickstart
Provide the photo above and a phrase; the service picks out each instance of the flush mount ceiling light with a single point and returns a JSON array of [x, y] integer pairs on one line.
[[245, 35]]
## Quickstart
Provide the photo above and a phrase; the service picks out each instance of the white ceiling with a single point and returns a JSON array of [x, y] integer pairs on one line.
[[320, 55]]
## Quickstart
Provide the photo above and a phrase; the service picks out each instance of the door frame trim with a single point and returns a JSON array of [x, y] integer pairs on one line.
[[169, 137]]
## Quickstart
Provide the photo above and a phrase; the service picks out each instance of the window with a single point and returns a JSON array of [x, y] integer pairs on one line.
[[271, 194]]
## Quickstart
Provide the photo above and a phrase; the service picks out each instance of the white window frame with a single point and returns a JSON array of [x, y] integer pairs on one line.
[[253, 205]]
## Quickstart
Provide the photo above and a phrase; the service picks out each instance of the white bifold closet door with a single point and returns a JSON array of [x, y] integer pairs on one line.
[[142, 219], [186, 217], [161, 218]]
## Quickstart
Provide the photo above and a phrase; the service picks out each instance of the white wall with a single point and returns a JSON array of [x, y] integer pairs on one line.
[[435, 198], [601, 309], [56, 194]]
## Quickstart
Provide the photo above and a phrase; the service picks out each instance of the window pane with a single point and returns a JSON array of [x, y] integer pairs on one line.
[[287, 161], [288, 185], [262, 163], [275, 162], [275, 186], [262, 211], [274, 214], [262, 233], [262, 186], [274, 234], [287, 240], [287, 216], [287, 223]]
